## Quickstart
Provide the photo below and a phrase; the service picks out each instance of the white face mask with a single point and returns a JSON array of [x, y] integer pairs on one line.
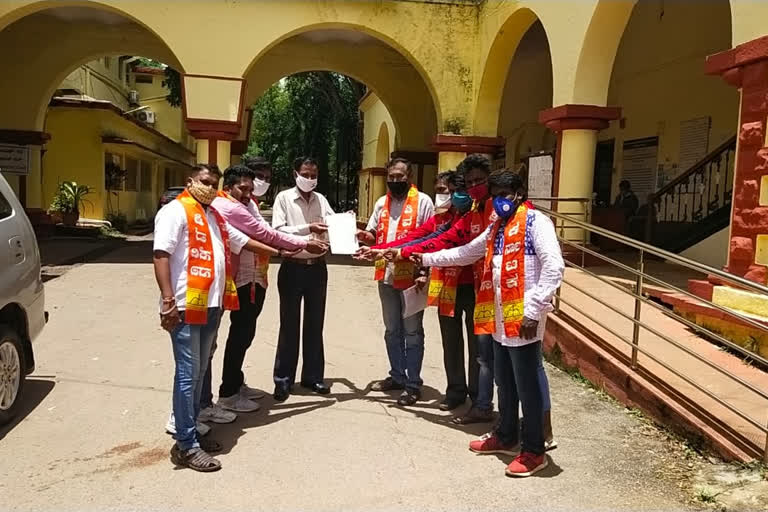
[[305, 184], [260, 187], [442, 200]]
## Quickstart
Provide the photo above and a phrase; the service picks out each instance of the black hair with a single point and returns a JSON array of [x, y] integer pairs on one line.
[[198, 168], [625, 184], [508, 179], [257, 163], [400, 160], [304, 160], [449, 177], [474, 161], [234, 174]]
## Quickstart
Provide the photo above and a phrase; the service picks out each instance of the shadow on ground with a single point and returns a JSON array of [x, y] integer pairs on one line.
[[272, 411], [35, 391]]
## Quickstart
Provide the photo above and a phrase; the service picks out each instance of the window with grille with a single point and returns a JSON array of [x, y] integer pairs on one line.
[[131, 178], [146, 176]]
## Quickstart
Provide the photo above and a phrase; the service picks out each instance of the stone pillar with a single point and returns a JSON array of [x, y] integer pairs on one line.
[[576, 127], [746, 67], [452, 149], [213, 112]]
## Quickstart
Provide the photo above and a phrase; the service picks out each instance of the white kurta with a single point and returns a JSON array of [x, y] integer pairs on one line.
[[544, 268]]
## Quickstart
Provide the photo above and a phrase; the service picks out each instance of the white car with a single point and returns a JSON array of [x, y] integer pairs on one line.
[[22, 300]]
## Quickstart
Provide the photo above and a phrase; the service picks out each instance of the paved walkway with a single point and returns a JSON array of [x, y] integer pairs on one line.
[[91, 435], [661, 351]]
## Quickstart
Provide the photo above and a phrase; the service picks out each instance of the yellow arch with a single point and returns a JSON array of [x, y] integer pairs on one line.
[[368, 31], [382, 146], [25, 106], [15, 14], [601, 43], [497, 66]]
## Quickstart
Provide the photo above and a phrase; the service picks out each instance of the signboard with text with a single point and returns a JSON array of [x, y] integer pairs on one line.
[[14, 159]]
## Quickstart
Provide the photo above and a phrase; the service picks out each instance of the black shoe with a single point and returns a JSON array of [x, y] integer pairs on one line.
[[474, 415], [408, 397], [449, 404], [281, 394], [321, 388], [387, 384]]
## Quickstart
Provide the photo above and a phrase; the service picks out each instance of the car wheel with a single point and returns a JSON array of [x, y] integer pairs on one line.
[[12, 373]]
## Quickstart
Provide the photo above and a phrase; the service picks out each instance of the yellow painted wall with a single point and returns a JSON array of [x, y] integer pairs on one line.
[[169, 120], [658, 78], [76, 153], [99, 79], [712, 251], [528, 90], [375, 114]]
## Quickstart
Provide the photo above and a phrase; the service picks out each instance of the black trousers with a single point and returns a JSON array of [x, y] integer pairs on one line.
[[241, 332], [297, 283], [452, 332]]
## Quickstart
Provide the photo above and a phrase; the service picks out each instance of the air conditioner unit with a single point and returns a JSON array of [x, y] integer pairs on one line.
[[146, 116], [133, 97]]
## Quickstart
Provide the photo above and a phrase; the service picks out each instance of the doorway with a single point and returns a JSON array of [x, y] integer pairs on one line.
[[603, 172]]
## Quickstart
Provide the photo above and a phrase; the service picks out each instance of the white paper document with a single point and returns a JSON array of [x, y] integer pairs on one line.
[[342, 233], [414, 300]]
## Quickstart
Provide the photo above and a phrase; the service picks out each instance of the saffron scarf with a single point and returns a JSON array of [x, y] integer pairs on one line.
[[443, 284], [512, 279], [261, 261], [479, 220], [200, 270], [403, 277]]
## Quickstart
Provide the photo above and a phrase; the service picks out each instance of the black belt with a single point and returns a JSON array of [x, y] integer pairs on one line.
[[305, 261]]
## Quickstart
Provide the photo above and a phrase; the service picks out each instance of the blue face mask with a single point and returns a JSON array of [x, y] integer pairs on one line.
[[461, 201], [504, 207]]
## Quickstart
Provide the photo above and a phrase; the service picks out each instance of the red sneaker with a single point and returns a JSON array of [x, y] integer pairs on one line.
[[489, 443], [526, 464]]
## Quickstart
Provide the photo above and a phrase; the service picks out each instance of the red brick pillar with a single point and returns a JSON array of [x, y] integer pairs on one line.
[[746, 67]]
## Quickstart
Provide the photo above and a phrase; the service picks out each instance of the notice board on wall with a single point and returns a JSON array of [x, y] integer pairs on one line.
[[639, 157], [540, 168], [14, 159]]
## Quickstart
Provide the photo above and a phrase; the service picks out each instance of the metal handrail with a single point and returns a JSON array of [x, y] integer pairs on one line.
[[661, 253], [641, 275]]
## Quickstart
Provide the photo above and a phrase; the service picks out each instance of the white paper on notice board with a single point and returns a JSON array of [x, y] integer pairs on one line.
[[540, 178]]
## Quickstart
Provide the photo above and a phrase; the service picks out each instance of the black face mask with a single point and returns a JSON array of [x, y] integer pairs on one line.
[[398, 188]]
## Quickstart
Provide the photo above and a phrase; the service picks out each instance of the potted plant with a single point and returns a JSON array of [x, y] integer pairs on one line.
[[69, 201]]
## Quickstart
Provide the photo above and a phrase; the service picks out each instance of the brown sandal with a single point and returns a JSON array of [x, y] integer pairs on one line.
[[195, 459]]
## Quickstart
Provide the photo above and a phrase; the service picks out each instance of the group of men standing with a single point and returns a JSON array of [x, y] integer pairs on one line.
[[495, 265]]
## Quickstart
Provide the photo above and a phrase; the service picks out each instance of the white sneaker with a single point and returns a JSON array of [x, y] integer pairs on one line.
[[549, 444], [251, 393], [238, 403], [170, 427], [216, 414]]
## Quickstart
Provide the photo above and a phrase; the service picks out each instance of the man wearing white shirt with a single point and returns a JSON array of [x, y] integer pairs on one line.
[[401, 210], [303, 277], [192, 245], [517, 331]]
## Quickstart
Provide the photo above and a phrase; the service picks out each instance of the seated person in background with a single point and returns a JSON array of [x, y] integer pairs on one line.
[[626, 200]]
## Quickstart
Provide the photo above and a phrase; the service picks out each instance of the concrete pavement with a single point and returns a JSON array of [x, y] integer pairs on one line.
[[91, 436]]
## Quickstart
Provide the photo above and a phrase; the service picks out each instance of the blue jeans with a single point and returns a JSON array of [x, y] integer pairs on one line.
[[517, 375], [484, 400], [404, 338], [191, 349]]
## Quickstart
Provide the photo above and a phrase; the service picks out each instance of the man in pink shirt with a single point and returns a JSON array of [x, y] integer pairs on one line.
[[235, 204]]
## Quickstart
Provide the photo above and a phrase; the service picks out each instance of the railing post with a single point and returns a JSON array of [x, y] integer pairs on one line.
[[765, 452], [557, 310], [638, 308]]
